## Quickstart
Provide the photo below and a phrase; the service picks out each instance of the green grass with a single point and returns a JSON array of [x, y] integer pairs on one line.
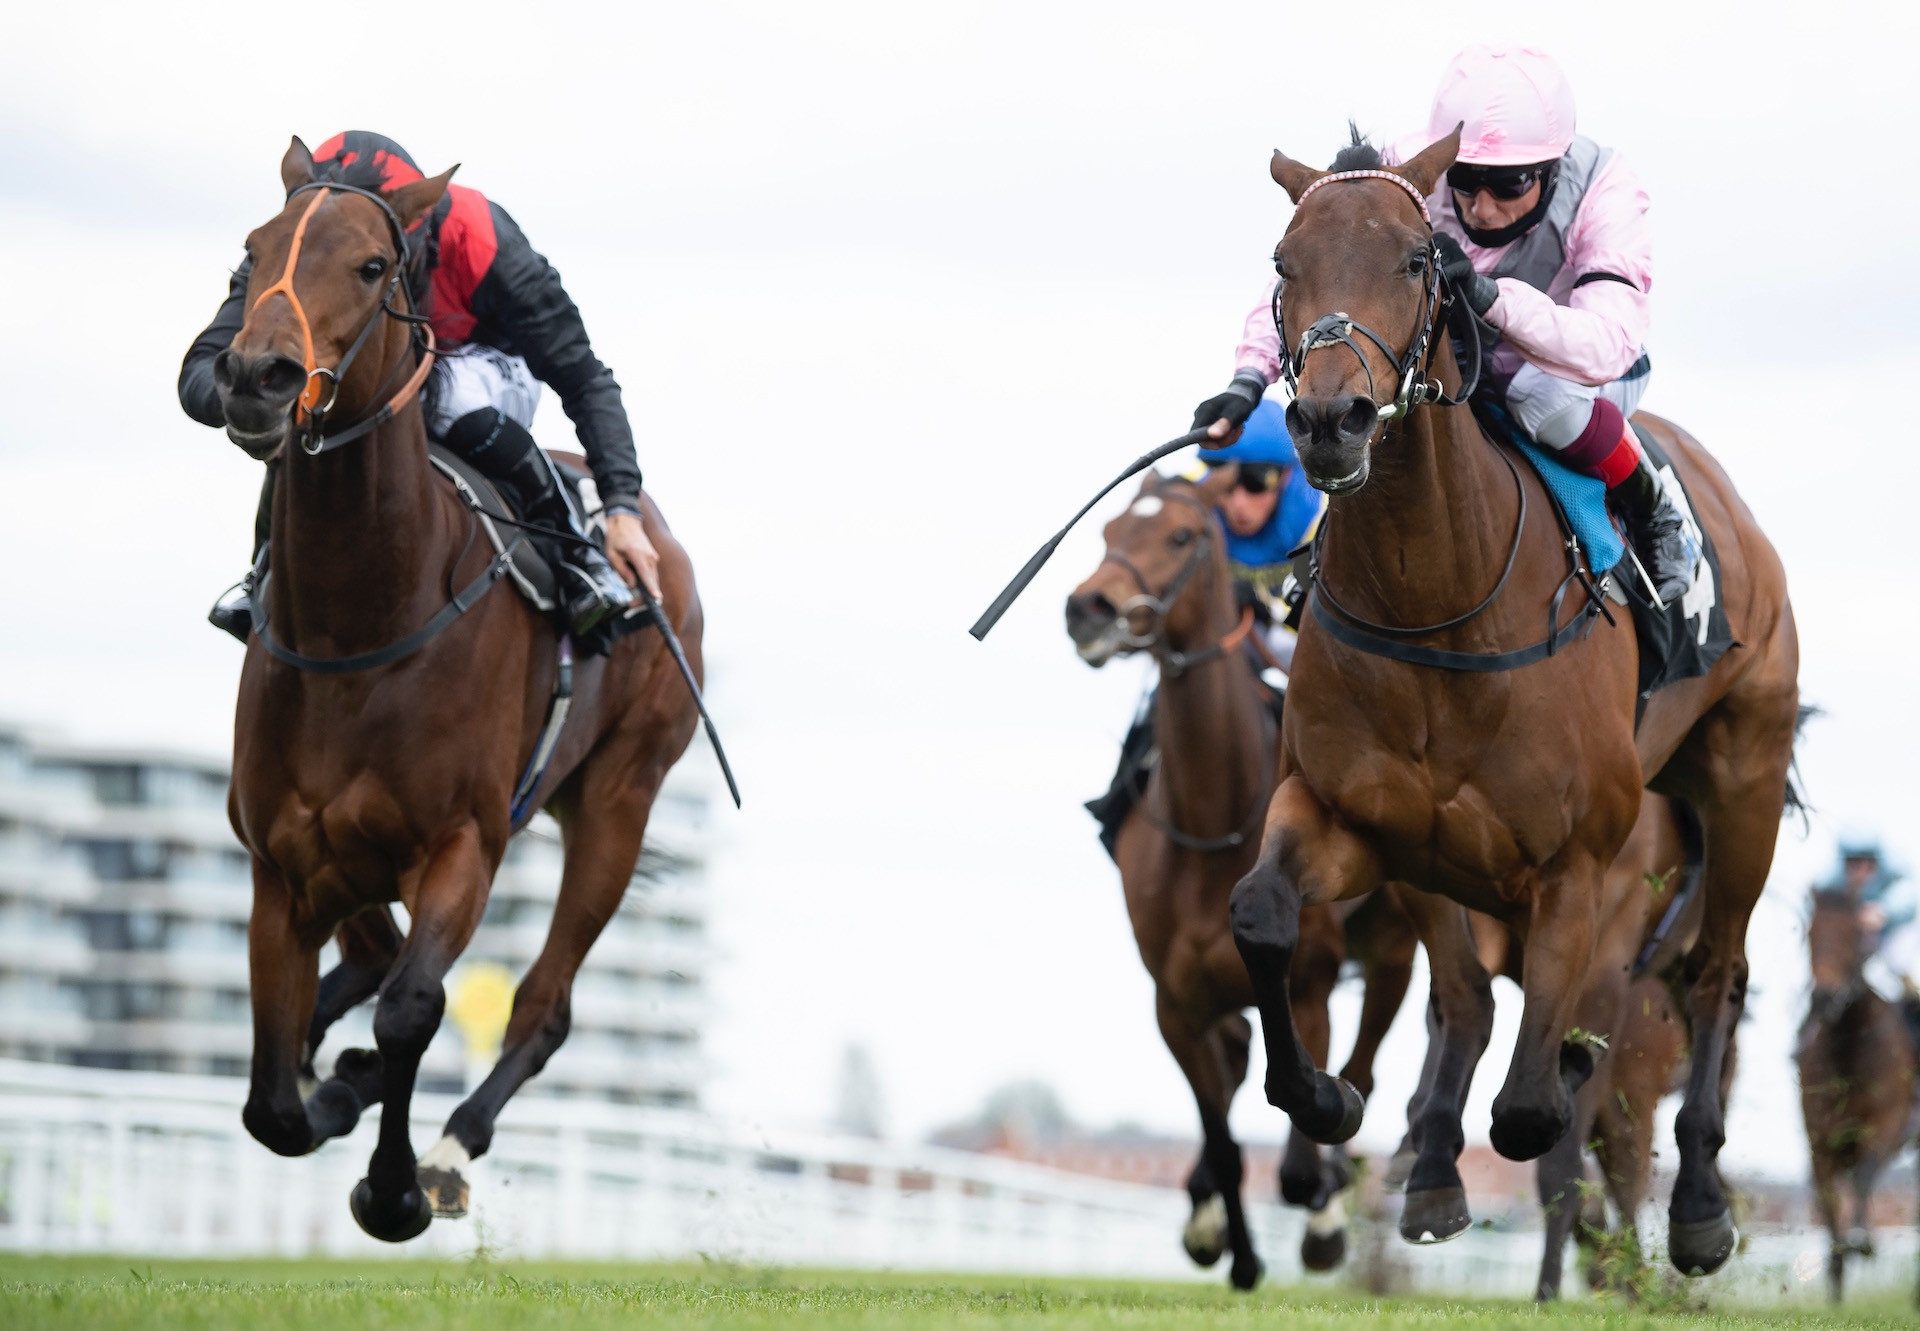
[[103, 1294]]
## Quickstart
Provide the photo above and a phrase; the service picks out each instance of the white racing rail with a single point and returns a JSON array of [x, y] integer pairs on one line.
[[157, 1164]]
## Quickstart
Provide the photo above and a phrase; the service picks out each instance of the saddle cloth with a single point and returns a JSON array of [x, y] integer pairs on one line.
[[1681, 641]]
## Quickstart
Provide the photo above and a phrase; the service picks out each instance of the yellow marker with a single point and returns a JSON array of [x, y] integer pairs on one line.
[[480, 1001]]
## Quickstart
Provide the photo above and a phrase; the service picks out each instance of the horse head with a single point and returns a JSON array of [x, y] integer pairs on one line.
[[323, 270], [1358, 285], [1836, 949], [1144, 593]]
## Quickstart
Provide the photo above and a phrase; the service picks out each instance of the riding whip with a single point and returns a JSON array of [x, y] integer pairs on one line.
[[1011, 593]]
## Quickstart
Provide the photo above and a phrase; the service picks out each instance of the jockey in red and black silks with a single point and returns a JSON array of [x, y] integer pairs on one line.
[[504, 325]]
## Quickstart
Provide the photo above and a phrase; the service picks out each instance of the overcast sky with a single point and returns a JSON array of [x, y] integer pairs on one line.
[[891, 289]]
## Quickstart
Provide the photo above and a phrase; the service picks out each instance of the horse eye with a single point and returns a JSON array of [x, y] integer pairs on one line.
[[1184, 536], [1279, 266], [1417, 265], [373, 269]]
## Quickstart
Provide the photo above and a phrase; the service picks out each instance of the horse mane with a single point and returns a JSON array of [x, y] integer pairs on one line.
[[1359, 153]]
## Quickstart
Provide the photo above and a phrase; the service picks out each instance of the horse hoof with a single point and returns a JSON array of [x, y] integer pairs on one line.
[[391, 1221], [1434, 1215], [1527, 1134], [1205, 1237], [1399, 1170], [448, 1192], [1335, 1114], [1308, 1190], [1701, 1247], [1323, 1252], [1245, 1274]]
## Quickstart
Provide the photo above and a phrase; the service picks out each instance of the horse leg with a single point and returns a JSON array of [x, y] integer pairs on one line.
[[1461, 1023], [1826, 1198], [1315, 971], [1206, 1058], [1400, 1164], [1205, 1235], [1386, 948], [1561, 1176], [1305, 856], [283, 968], [446, 908], [601, 852], [1535, 1106], [369, 941]]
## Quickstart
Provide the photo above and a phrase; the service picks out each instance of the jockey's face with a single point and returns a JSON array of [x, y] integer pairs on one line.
[[1247, 513], [1860, 870], [1486, 213]]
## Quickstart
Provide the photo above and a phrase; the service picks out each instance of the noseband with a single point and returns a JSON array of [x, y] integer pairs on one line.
[[311, 432], [1413, 369]]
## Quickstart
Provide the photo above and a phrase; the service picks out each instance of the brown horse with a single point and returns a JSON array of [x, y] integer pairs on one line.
[[1164, 586], [1857, 1071], [1510, 791], [357, 787]]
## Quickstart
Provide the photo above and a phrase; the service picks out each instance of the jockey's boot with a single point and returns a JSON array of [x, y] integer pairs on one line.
[[233, 612], [502, 448], [1662, 538]]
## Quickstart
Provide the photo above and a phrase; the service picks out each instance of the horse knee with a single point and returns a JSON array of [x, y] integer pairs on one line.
[[407, 1016], [1264, 912]]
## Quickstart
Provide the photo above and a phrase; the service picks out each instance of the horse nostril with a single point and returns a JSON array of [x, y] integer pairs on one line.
[[223, 370], [1358, 420], [280, 377]]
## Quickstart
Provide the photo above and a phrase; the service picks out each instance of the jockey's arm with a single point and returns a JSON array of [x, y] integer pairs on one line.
[[1259, 349], [522, 296], [1598, 334], [198, 396]]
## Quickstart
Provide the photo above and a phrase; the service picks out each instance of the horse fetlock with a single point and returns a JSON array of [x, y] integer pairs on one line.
[[280, 1127], [1527, 1132], [390, 1216], [1333, 1113], [1245, 1272], [1257, 912]]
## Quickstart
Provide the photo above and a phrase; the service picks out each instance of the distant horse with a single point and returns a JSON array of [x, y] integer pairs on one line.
[[1163, 586], [1509, 790], [381, 729], [1857, 1071]]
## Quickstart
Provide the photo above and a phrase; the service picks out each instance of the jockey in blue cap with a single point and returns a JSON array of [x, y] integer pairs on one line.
[[1888, 906], [1270, 512]]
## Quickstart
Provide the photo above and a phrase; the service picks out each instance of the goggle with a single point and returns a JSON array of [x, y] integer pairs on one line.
[[1503, 182], [1257, 480]]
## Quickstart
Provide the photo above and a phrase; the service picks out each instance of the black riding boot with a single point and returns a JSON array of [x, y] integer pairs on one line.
[[1129, 779], [503, 451], [233, 612], [1662, 538]]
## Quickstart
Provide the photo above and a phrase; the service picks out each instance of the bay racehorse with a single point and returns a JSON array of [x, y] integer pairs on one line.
[[380, 731], [1512, 790], [1164, 586], [1857, 1081]]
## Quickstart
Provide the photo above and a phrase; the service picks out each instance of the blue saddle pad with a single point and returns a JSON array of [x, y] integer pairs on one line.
[[1582, 498]]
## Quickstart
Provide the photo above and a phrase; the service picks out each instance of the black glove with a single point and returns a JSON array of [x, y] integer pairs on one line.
[[1234, 405], [1479, 292], [1247, 597]]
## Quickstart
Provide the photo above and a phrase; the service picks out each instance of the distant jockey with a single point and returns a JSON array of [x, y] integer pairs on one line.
[[504, 325], [1888, 907], [1544, 233]]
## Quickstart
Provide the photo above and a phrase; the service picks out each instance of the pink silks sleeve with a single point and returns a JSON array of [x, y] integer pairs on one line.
[[1590, 325], [1259, 349]]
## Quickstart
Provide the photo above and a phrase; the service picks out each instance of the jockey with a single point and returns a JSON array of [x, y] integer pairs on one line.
[[1270, 512], [504, 325], [1544, 233], [1888, 906]]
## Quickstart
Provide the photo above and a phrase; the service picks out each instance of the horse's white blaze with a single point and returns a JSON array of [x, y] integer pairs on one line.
[[1207, 1228], [447, 1154], [1145, 507], [1331, 1218]]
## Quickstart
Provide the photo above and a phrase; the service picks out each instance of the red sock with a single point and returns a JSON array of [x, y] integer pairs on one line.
[[1607, 448]]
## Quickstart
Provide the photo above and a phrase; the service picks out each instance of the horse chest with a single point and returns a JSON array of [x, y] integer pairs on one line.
[[345, 850]]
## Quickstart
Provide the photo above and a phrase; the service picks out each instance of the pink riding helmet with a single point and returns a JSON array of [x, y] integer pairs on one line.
[[1515, 103]]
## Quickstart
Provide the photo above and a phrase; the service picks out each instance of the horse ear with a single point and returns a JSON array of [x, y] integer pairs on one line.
[[1426, 167], [296, 168], [1292, 176], [411, 202]]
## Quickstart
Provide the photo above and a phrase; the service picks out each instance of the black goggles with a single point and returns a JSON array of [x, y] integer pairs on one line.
[[1503, 182], [1257, 480]]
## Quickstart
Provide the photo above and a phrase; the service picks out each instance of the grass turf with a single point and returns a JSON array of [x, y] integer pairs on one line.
[[103, 1294]]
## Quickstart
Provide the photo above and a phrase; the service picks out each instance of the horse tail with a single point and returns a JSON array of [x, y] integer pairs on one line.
[[1796, 784]]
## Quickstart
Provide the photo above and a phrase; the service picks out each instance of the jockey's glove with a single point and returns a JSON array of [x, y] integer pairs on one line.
[[1234, 405], [1479, 292]]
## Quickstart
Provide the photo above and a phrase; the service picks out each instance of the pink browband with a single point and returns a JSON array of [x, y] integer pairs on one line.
[[1401, 181]]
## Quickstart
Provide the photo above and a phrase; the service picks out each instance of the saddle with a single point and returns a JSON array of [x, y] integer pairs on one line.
[[1679, 641]]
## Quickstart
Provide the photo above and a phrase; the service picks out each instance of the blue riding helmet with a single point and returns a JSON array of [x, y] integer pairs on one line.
[[1264, 442]]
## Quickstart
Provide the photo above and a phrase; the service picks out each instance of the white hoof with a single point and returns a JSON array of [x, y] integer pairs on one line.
[[1205, 1237], [443, 1178]]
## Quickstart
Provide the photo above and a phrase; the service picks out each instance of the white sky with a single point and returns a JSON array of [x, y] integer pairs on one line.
[[891, 290]]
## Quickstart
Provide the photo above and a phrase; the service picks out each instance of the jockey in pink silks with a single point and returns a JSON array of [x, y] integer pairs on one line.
[[1544, 233]]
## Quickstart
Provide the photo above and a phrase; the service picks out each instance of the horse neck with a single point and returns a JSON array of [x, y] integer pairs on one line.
[[1429, 533], [1210, 726], [361, 539]]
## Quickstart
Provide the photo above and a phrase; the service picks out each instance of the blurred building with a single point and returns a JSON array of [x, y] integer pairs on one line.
[[123, 920]]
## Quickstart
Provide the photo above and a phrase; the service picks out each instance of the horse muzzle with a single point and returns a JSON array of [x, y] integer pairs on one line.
[[257, 394], [1334, 438], [1098, 629]]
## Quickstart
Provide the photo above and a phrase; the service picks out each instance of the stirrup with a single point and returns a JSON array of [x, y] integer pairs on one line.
[[233, 614]]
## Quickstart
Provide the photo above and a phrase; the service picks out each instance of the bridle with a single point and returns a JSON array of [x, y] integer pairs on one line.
[[1159, 605], [311, 431], [1413, 369]]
